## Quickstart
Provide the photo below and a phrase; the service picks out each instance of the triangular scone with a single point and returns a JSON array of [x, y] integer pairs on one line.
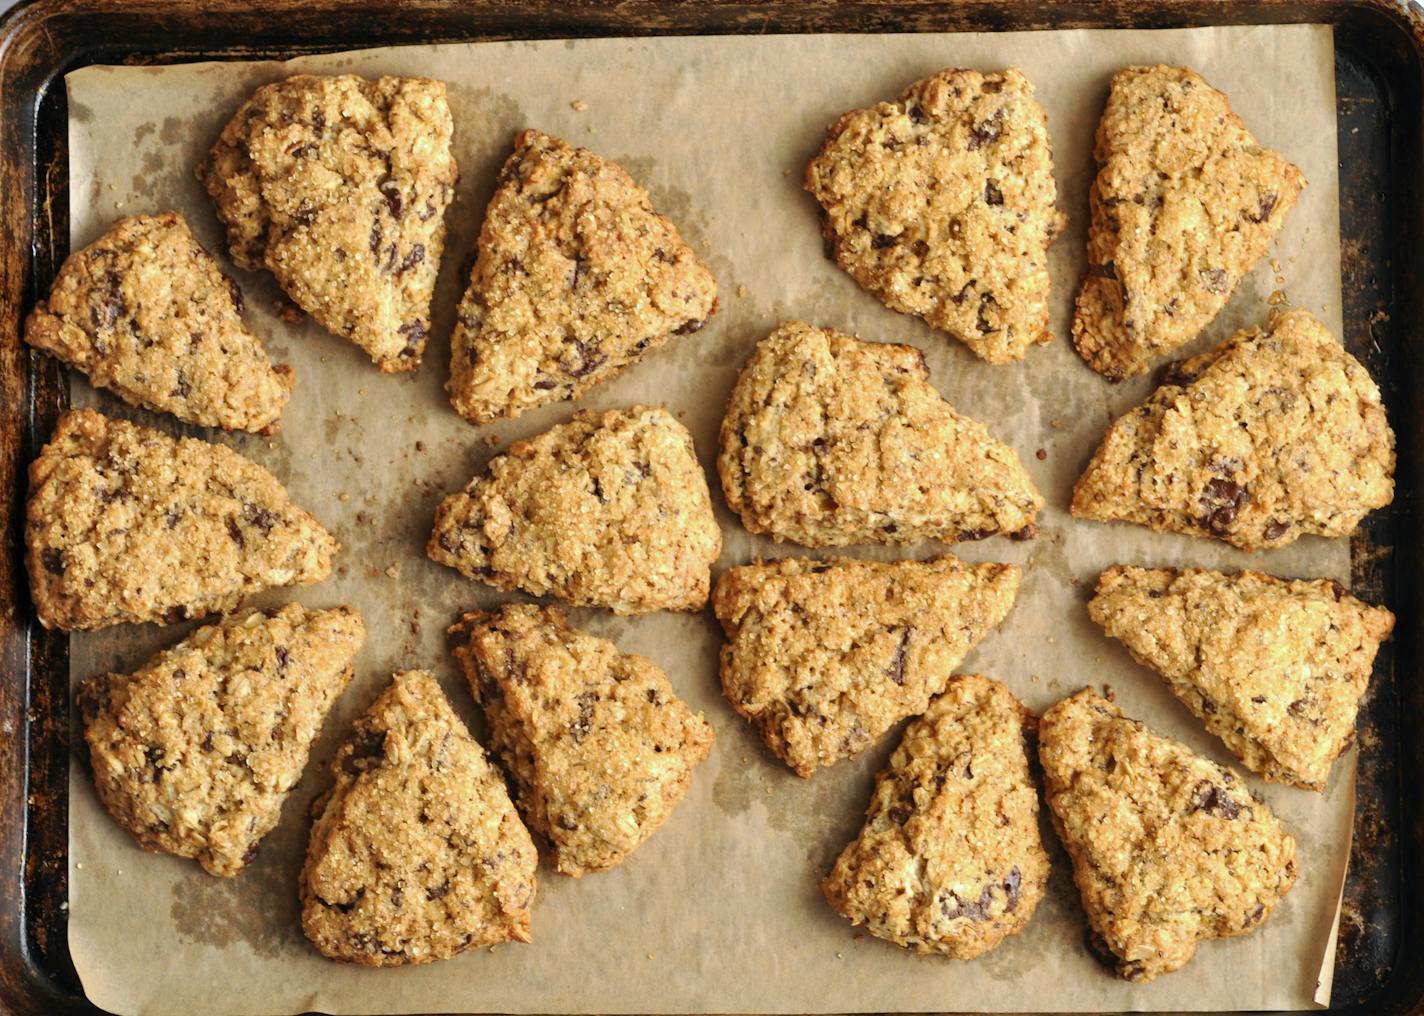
[[195, 752], [338, 186], [599, 746], [1273, 668], [1168, 847], [829, 440], [825, 656], [416, 852], [949, 860], [145, 312], [1184, 204], [941, 203], [577, 277], [127, 524], [607, 510], [1274, 434]]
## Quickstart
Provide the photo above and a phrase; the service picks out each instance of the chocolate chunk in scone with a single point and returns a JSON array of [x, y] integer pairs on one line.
[[941, 203], [416, 852], [146, 313], [1274, 434], [128, 524], [950, 860], [829, 441], [195, 752], [823, 657], [1185, 203], [599, 745], [1168, 847], [338, 186], [577, 277]]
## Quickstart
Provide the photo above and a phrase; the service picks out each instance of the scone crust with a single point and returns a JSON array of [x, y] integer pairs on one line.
[[576, 279], [949, 860], [599, 745], [941, 204]]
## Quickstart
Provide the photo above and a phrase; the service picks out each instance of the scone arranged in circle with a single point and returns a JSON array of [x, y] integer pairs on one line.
[[577, 277], [941, 203], [338, 186], [1275, 669], [949, 860], [145, 312], [1168, 847], [607, 510], [829, 441], [195, 752], [1185, 203], [599, 746], [823, 657], [416, 852], [128, 524], [1275, 434]]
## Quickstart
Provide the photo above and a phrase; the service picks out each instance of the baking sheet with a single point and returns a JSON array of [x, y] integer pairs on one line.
[[719, 911]]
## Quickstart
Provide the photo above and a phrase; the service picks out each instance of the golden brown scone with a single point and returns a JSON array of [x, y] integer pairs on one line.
[[1184, 204], [599, 746], [195, 752], [941, 203], [145, 312], [416, 852], [577, 278], [127, 524], [1275, 669], [1168, 847], [829, 441], [823, 657], [338, 186], [1274, 434], [950, 860]]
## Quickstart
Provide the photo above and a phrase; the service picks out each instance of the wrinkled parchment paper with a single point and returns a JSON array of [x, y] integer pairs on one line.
[[719, 911]]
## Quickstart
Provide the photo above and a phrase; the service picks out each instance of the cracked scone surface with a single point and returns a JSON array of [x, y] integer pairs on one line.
[[949, 860], [941, 204], [607, 510], [338, 186], [823, 657], [1168, 847], [576, 278], [1184, 204], [1274, 668], [145, 312], [125, 523], [829, 441], [1274, 434], [599, 745], [416, 852], [195, 752]]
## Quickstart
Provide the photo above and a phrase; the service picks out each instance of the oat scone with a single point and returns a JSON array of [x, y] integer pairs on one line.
[[416, 851], [823, 657], [577, 277], [128, 524], [941, 204], [949, 860], [829, 440], [1168, 847], [1274, 434], [1184, 204], [598, 744], [195, 752], [338, 186], [1274, 668], [146, 313], [607, 510]]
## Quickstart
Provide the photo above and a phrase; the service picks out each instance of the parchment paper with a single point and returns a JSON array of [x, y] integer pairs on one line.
[[719, 911]]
